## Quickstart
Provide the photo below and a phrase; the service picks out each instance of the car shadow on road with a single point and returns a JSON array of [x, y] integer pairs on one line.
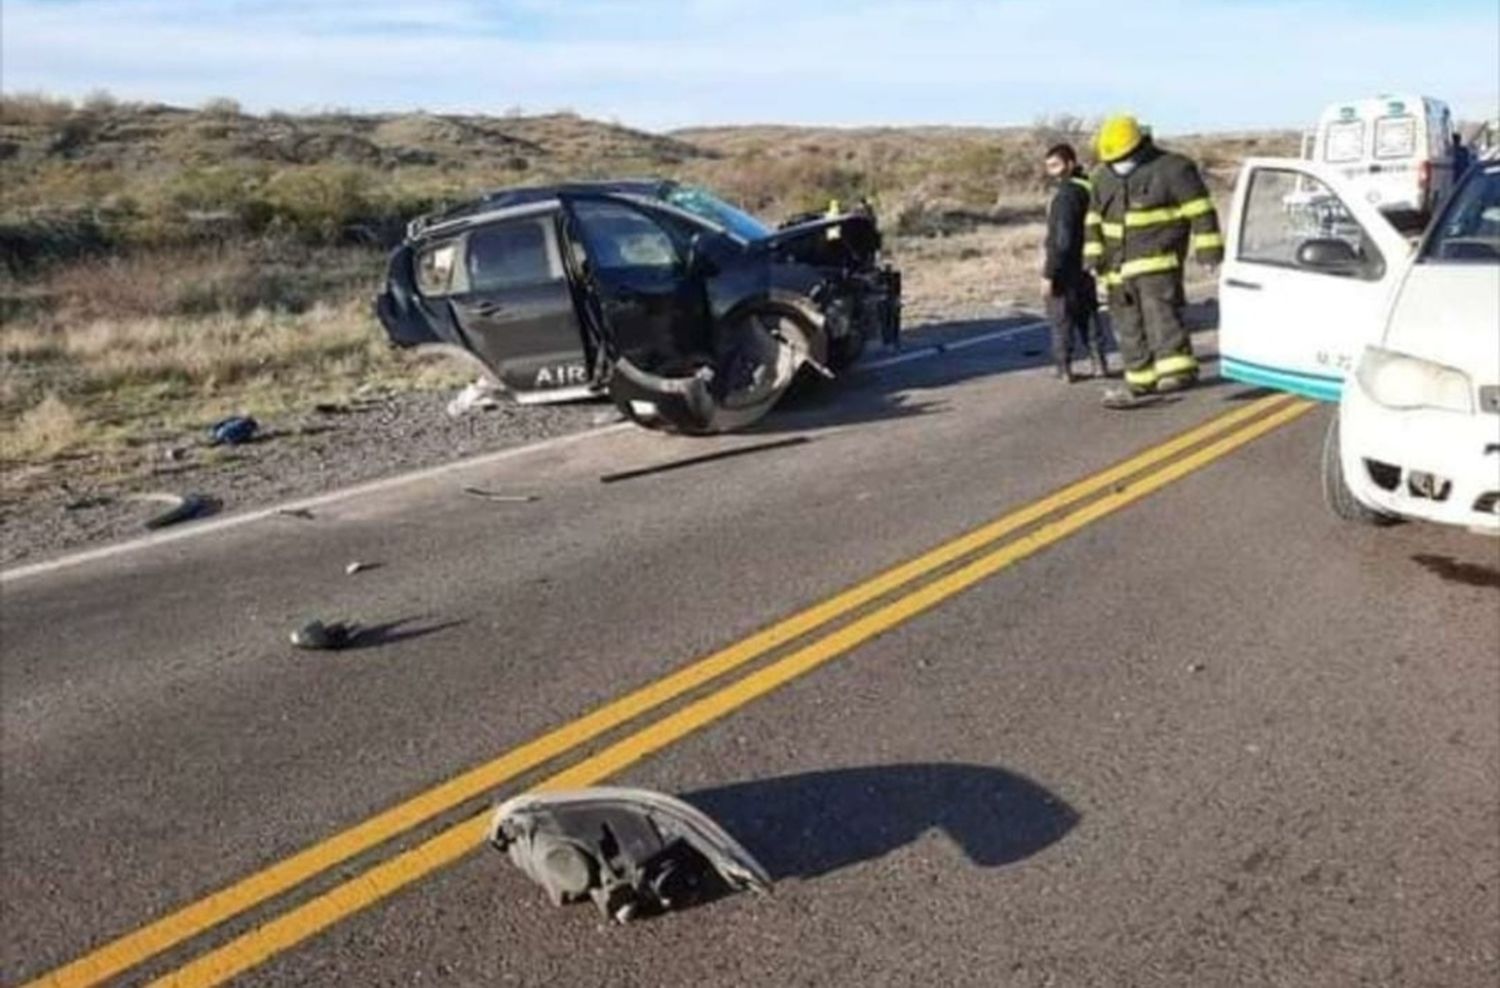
[[872, 392], [808, 825], [1455, 571]]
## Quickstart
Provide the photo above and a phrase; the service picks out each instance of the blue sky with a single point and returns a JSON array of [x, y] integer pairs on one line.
[[1200, 65]]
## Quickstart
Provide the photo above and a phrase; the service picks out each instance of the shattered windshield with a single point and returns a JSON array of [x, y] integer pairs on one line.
[[718, 212]]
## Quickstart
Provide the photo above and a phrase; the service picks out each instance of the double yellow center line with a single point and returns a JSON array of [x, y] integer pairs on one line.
[[1104, 492]]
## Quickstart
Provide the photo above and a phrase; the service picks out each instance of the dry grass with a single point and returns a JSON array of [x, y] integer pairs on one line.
[[104, 385], [47, 428]]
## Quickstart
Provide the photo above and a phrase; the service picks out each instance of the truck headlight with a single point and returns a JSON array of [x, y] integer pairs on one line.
[[1396, 380]]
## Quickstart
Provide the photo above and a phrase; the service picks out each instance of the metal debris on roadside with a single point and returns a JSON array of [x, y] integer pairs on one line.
[[693, 461], [319, 636], [304, 514], [182, 507], [499, 496], [87, 501], [633, 852], [358, 567], [232, 431]]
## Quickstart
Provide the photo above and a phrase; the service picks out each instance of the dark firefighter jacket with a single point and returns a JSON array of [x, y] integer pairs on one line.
[[1065, 217], [1146, 222]]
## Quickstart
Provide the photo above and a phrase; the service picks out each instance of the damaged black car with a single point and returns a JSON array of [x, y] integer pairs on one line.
[[690, 314]]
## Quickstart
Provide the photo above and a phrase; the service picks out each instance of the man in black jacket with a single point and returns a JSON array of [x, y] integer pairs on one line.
[[1072, 305]]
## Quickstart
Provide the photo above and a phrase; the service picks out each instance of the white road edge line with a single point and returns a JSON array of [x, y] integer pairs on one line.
[[934, 349], [209, 526], [318, 500]]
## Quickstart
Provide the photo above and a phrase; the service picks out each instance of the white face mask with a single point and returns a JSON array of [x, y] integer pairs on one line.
[[1122, 168]]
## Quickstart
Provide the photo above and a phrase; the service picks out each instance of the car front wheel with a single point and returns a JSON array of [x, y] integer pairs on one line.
[[1336, 493]]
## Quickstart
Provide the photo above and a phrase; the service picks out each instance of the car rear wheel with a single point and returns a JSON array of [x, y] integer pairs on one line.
[[1336, 493]]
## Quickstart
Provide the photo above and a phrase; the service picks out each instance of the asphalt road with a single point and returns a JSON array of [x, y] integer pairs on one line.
[[1196, 735]]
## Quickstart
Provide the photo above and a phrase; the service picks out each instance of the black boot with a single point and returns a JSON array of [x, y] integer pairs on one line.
[[1098, 364]]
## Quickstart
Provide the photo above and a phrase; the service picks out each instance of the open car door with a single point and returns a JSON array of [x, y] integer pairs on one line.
[[1307, 276], [511, 299], [643, 285]]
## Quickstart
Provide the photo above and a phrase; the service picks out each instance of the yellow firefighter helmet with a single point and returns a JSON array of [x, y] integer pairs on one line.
[[1119, 136]]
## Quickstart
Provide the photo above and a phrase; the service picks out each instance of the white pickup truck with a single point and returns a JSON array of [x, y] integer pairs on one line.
[[1321, 296]]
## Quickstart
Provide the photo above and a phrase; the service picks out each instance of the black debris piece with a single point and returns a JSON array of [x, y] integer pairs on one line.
[[318, 636]]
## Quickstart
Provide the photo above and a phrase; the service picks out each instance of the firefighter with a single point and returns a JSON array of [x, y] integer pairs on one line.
[[1149, 208], [1068, 288]]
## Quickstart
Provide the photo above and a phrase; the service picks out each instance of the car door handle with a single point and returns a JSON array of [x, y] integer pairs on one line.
[[1237, 283], [488, 308]]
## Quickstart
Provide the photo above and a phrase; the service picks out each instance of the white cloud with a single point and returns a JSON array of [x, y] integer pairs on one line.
[[658, 64]]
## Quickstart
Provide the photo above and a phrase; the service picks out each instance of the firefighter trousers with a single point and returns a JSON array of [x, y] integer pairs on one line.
[[1146, 314]]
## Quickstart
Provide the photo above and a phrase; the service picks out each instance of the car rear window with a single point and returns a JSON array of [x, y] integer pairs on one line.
[[1344, 141], [509, 255], [1396, 137]]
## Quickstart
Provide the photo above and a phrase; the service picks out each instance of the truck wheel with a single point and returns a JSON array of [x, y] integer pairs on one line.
[[1336, 493]]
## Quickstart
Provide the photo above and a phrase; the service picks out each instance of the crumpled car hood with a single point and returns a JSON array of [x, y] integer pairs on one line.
[[857, 230]]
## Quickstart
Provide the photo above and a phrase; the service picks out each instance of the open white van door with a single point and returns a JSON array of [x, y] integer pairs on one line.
[[1307, 272]]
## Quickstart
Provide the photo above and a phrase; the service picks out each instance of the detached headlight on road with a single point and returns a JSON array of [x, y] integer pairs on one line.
[[1396, 380]]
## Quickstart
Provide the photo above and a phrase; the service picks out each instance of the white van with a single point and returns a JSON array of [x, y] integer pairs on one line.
[[1396, 152]]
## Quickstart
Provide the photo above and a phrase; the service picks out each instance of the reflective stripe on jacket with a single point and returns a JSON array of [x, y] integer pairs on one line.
[[1147, 221]]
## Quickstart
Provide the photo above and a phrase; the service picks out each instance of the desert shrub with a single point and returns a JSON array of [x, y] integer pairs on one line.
[[45, 429], [34, 109], [318, 202], [99, 101], [32, 242], [222, 106], [783, 186]]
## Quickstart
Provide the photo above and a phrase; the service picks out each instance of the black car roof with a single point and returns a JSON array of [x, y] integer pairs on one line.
[[654, 188]]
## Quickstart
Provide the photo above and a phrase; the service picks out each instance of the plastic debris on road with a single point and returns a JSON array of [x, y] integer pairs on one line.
[[482, 396], [500, 496], [181, 507], [633, 852], [319, 636], [232, 431]]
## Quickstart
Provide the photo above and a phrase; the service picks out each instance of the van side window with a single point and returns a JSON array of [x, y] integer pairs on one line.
[[1284, 210], [509, 255], [1344, 142], [1395, 137]]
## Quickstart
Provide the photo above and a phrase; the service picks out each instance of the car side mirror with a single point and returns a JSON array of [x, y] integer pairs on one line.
[[1330, 255]]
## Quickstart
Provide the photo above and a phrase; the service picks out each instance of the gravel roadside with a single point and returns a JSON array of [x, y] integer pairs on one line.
[[317, 452]]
